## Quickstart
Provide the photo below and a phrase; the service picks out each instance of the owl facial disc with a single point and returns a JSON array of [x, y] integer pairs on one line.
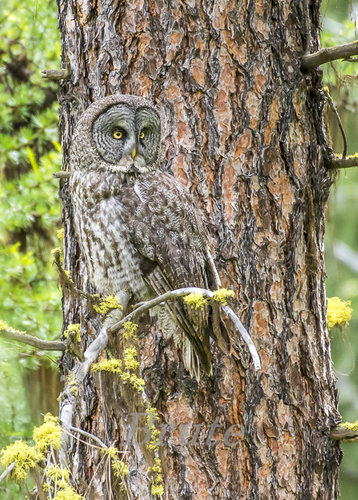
[[128, 138]]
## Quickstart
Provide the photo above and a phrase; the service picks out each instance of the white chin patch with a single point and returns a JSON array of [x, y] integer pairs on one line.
[[130, 166]]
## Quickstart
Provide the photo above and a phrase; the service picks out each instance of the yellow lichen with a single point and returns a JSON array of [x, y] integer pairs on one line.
[[130, 329], [60, 234], [68, 493], [73, 328], [60, 477], [350, 426], [158, 489], [111, 451], [120, 469], [73, 383], [25, 457], [4, 326], [152, 414], [157, 482], [223, 294], [137, 382], [196, 301], [56, 473], [56, 252], [130, 358], [115, 366], [108, 365], [153, 444], [152, 417], [68, 275], [48, 434], [108, 304], [338, 312]]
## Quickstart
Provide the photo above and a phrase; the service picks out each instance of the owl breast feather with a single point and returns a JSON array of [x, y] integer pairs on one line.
[[103, 230]]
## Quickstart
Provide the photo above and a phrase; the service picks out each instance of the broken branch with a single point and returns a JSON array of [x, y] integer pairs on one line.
[[56, 74]]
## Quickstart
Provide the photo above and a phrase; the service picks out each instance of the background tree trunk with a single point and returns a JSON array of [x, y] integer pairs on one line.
[[245, 135]]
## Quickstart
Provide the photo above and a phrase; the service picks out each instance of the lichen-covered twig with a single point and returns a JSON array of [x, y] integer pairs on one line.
[[78, 373], [323, 56], [182, 292], [346, 432], [115, 322], [9, 333], [335, 163]]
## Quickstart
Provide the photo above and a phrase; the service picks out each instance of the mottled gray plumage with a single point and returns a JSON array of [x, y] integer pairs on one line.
[[138, 227]]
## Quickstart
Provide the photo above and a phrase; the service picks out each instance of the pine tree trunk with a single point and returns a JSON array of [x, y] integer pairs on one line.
[[246, 136]]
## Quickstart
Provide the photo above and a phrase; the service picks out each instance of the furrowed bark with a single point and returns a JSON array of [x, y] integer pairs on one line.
[[245, 134]]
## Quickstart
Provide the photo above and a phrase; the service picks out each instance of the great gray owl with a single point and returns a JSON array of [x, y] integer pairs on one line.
[[138, 227]]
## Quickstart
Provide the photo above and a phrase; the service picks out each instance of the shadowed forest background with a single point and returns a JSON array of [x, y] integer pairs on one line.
[[30, 213]]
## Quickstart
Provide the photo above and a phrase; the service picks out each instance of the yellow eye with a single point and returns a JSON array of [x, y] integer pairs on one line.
[[117, 134], [142, 135]]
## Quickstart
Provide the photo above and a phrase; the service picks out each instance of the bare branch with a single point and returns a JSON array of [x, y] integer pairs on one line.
[[349, 162], [91, 436], [112, 324], [182, 292], [346, 255], [24, 338], [80, 370], [323, 56], [56, 74], [340, 124], [7, 471]]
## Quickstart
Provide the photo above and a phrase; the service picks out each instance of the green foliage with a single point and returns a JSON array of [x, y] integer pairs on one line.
[[339, 26], [341, 76], [29, 297], [29, 205]]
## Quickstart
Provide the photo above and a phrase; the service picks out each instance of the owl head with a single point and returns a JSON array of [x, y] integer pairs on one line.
[[119, 133]]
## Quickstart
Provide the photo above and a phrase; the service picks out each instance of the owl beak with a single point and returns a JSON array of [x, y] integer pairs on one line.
[[134, 152]]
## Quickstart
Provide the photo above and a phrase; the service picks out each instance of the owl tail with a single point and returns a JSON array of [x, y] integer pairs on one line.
[[221, 331], [196, 343], [195, 348]]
